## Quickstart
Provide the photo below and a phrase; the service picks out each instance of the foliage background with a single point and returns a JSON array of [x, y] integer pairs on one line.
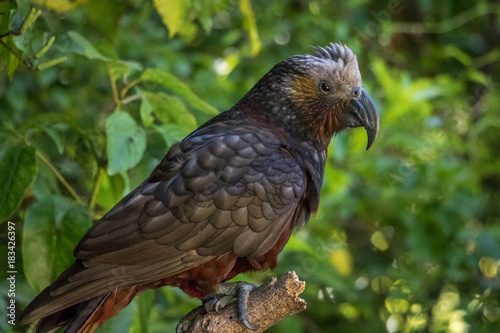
[[407, 238]]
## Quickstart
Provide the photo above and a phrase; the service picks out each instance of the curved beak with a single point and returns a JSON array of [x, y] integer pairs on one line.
[[363, 112]]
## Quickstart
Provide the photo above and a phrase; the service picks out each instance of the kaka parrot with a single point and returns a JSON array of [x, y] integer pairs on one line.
[[223, 201]]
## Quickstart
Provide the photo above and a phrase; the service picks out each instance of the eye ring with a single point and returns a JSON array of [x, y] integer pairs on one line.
[[325, 87]]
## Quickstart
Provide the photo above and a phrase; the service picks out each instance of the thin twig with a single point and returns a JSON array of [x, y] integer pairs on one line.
[[129, 86], [60, 177], [10, 33], [25, 62], [97, 186], [115, 92], [130, 99]]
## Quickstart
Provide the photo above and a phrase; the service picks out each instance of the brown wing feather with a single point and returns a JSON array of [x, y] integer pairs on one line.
[[213, 194]]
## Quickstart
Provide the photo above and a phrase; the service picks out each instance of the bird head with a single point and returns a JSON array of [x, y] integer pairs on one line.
[[314, 96]]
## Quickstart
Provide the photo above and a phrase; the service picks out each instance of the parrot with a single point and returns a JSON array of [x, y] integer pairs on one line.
[[223, 201]]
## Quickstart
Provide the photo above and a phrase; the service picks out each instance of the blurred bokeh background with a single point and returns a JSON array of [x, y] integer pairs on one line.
[[407, 238]]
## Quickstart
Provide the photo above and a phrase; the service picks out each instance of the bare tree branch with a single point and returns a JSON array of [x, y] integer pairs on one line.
[[270, 303]]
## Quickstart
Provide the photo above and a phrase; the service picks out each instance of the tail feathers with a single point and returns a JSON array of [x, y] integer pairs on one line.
[[86, 310], [86, 316], [75, 317], [56, 320]]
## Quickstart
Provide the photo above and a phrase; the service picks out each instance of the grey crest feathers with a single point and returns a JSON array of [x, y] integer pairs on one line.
[[335, 52], [335, 61]]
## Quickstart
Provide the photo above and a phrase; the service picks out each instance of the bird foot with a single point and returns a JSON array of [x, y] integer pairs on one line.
[[211, 303], [192, 320]]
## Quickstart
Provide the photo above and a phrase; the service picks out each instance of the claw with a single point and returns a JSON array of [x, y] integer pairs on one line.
[[227, 291], [243, 294], [210, 302], [221, 303], [241, 290], [244, 319], [192, 320]]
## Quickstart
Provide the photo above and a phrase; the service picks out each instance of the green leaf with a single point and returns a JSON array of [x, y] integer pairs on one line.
[[13, 65], [80, 45], [169, 109], [119, 68], [146, 112], [126, 142], [173, 13], [17, 15], [172, 133], [52, 228], [179, 88], [112, 190], [18, 170], [46, 183], [56, 136]]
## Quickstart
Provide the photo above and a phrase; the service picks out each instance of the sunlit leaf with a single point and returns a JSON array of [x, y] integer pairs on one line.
[[489, 266], [112, 190], [173, 13], [169, 110], [397, 305], [379, 241], [381, 284], [348, 311], [341, 259], [179, 88]]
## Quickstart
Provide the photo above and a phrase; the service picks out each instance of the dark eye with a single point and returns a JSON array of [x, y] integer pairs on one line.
[[325, 86]]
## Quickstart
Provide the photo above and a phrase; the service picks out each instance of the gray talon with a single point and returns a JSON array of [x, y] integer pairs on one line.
[[240, 290], [242, 299], [247, 323], [210, 302], [227, 291], [192, 319], [221, 303]]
